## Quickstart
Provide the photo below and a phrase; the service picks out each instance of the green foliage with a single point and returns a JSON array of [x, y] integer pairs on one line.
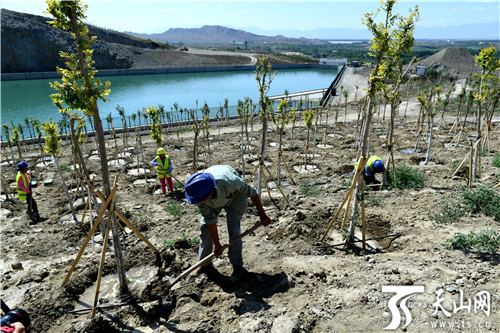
[[78, 88], [307, 189], [308, 118], [52, 145], [484, 240], [483, 199], [496, 161], [447, 211], [154, 116], [406, 178], [174, 208], [177, 185], [193, 240]]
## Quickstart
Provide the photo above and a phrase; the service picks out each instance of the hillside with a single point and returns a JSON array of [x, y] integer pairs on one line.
[[215, 34], [30, 44], [454, 61]]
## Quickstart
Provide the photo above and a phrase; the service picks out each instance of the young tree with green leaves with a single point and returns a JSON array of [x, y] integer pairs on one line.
[[15, 140], [196, 130], [121, 112], [80, 90], [53, 148], [154, 117], [205, 125], [9, 143], [308, 121], [489, 64], [280, 120], [264, 77], [429, 101], [392, 37]]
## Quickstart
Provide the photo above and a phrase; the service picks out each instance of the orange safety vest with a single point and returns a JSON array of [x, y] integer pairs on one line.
[[162, 169], [20, 193]]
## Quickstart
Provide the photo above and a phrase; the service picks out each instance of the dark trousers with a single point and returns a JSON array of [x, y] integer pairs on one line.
[[372, 180], [32, 207]]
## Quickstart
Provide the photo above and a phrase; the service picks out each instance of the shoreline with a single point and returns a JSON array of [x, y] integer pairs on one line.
[[162, 70]]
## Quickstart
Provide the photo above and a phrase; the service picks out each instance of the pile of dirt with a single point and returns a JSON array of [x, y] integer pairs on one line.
[[454, 61]]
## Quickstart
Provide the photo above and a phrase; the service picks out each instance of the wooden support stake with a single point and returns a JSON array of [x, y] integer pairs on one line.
[[361, 166], [363, 236], [91, 232], [460, 165], [279, 188], [470, 165], [124, 219], [101, 264], [288, 170]]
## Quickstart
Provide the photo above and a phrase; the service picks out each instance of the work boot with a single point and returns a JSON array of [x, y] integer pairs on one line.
[[237, 274]]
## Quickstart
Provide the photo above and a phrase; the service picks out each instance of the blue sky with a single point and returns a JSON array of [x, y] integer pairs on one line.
[[158, 16]]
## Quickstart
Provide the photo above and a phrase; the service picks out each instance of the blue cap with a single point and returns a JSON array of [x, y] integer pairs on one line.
[[199, 186], [22, 165], [378, 166]]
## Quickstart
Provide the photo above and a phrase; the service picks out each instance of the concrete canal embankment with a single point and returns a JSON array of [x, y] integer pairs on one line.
[[169, 70]]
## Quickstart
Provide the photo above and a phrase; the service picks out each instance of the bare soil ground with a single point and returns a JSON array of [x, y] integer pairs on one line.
[[292, 284]]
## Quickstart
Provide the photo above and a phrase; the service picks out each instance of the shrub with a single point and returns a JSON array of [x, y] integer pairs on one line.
[[450, 212], [307, 189], [173, 208], [177, 185], [483, 199], [485, 240], [496, 161], [193, 240], [406, 178]]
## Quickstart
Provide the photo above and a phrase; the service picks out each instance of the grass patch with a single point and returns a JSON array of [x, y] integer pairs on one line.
[[450, 211], [484, 240], [496, 161], [177, 186], [174, 208], [307, 189], [406, 178], [194, 240], [482, 199]]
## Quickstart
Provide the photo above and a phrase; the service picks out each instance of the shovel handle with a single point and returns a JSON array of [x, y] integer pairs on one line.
[[209, 257]]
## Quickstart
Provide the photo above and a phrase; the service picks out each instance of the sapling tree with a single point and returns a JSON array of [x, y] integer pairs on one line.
[[109, 120], [346, 94], [52, 147], [392, 37], [280, 120], [205, 125], [27, 121], [9, 141], [121, 112], [264, 77], [429, 101], [196, 130], [154, 117], [308, 121], [80, 90], [241, 113], [489, 64], [15, 140], [445, 102]]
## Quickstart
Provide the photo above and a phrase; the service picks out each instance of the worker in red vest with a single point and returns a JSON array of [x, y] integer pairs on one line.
[[164, 169]]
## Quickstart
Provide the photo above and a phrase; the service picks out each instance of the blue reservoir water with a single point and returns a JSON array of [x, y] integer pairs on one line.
[[31, 98]]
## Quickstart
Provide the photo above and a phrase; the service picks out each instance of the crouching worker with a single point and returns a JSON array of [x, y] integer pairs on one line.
[[164, 170], [23, 180], [373, 166], [221, 187]]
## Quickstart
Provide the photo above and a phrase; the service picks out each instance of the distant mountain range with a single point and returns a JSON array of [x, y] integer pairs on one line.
[[219, 34], [216, 34]]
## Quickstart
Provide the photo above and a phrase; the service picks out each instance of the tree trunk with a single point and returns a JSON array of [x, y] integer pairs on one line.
[[70, 202], [428, 154]]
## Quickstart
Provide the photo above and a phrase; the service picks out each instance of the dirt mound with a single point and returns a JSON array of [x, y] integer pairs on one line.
[[455, 61]]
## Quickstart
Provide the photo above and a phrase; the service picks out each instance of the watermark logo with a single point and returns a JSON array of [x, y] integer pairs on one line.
[[403, 293]]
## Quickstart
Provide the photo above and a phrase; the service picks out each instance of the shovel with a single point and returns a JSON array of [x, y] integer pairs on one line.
[[209, 257]]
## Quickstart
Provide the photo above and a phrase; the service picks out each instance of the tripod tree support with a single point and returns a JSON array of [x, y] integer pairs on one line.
[[361, 166]]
